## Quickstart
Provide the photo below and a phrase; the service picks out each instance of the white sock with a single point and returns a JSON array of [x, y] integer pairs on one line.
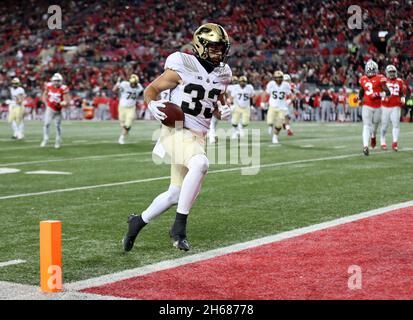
[[375, 128], [21, 128], [287, 126], [213, 123], [14, 127], [161, 203], [366, 135], [396, 133], [383, 137], [197, 169], [46, 132]]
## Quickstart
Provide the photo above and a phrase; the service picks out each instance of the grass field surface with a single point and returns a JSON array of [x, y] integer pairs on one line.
[[317, 175]]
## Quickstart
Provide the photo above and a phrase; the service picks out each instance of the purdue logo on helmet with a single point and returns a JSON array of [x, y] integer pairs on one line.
[[208, 35], [371, 68]]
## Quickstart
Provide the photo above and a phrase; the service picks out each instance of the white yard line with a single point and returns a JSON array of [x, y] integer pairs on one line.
[[11, 263], [116, 155], [163, 265], [16, 291], [270, 165]]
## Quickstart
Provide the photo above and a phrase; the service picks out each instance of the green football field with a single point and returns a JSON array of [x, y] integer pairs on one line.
[[317, 175]]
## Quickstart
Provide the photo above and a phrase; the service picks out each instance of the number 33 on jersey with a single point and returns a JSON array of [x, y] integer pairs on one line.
[[198, 92]]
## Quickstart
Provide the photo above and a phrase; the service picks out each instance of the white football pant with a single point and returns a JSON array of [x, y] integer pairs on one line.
[[387, 115], [371, 120], [49, 115]]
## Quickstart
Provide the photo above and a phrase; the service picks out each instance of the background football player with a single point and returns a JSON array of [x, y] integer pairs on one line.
[[214, 119], [197, 83], [290, 103], [129, 93], [391, 107], [56, 97], [373, 87], [279, 91], [242, 97], [16, 109]]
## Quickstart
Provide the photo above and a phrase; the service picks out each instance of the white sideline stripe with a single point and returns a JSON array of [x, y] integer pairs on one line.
[[77, 158], [168, 264], [17, 291], [11, 262], [168, 177]]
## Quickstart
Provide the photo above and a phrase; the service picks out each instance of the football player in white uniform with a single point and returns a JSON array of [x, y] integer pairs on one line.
[[290, 104], [242, 97], [279, 92], [16, 109], [129, 93], [214, 119], [197, 83]]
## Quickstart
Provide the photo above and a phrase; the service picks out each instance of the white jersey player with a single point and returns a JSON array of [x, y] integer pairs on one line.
[[279, 92], [129, 93], [197, 83], [16, 109], [214, 120], [242, 95]]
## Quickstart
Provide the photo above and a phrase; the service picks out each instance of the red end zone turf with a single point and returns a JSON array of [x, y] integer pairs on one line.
[[311, 266]]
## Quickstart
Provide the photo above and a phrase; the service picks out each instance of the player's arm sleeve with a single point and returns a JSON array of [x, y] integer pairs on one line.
[[174, 62], [361, 93], [268, 88], [140, 90]]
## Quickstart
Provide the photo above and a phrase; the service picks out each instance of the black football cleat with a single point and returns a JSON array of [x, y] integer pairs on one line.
[[135, 225], [179, 242], [366, 151]]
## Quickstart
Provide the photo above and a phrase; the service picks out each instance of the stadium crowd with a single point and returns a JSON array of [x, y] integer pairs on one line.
[[102, 40]]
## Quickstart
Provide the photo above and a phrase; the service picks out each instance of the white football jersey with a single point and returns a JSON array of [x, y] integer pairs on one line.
[[198, 92], [242, 96], [165, 95], [14, 93], [278, 94], [129, 95], [230, 89]]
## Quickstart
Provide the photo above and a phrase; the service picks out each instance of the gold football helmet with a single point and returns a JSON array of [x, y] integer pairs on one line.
[[243, 79], [134, 79], [278, 74], [15, 82], [208, 36]]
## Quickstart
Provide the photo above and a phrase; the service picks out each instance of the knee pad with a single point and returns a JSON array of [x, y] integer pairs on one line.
[[173, 194], [199, 162]]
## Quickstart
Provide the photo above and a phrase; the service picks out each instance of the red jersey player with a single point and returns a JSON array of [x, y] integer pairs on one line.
[[56, 97], [391, 106], [373, 85]]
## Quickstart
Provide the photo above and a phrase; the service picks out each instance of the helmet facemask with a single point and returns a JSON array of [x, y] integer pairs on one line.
[[371, 68], [211, 43], [391, 72]]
